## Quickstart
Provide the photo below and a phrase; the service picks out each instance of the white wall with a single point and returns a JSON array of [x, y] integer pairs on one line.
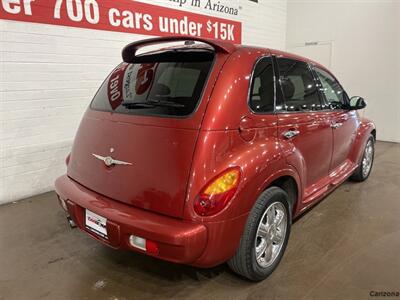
[[48, 75], [365, 38]]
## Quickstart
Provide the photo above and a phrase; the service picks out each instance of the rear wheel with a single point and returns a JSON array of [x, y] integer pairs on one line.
[[265, 236], [364, 169]]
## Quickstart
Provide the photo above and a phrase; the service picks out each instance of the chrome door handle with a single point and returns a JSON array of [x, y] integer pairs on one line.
[[337, 125], [291, 134]]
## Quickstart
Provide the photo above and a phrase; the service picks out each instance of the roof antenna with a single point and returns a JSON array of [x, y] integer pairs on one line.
[[189, 43]]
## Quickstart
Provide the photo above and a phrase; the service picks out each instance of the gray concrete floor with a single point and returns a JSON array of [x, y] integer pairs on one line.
[[345, 247]]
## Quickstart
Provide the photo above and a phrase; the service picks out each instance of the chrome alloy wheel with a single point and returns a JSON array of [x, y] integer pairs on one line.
[[368, 158], [271, 234]]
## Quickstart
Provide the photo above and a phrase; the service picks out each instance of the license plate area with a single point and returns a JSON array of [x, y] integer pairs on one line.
[[96, 224]]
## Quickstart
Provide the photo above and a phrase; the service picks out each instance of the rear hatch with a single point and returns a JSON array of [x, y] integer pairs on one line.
[[136, 142]]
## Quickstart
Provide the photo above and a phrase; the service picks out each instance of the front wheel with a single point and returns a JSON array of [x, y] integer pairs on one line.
[[365, 167], [265, 236]]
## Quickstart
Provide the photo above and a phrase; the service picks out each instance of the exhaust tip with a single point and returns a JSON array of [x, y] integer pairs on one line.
[[71, 222]]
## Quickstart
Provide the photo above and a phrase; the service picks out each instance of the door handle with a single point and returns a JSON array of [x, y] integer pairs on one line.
[[291, 134], [336, 125]]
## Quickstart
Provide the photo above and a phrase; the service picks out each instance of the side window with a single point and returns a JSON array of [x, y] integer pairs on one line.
[[334, 94], [262, 91], [298, 85]]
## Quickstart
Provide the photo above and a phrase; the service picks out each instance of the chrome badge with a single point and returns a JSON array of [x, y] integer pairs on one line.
[[109, 161]]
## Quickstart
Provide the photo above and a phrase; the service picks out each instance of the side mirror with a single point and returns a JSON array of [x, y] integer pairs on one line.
[[357, 103]]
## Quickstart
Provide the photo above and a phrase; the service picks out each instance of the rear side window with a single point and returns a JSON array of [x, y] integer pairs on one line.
[[298, 85], [262, 96], [169, 89]]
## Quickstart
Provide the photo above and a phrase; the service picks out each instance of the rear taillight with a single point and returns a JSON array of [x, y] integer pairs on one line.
[[216, 195]]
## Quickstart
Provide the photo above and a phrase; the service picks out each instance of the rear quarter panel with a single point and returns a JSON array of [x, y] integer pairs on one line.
[[221, 145]]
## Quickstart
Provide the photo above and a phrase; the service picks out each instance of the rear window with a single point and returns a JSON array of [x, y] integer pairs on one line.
[[159, 88]]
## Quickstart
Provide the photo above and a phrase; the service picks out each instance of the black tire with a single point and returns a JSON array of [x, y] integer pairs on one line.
[[245, 262], [359, 175]]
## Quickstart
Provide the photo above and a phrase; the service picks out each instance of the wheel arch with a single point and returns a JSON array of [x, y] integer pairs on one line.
[[373, 132], [290, 182], [365, 130], [289, 185]]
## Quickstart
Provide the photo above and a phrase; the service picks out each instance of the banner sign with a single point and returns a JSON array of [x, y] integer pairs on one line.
[[122, 16], [227, 7]]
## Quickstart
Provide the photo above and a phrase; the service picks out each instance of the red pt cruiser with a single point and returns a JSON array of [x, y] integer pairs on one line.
[[201, 152]]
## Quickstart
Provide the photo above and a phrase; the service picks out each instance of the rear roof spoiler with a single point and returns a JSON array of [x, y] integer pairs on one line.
[[129, 52]]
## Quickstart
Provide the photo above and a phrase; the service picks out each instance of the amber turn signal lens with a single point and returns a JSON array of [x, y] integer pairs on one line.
[[217, 194], [223, 183]]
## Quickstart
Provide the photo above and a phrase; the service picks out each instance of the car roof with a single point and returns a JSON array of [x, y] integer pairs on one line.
[[280, 53]]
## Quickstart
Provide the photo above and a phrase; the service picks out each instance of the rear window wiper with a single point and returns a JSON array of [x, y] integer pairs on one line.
[[165, 103], [133, 105], [152, 103]]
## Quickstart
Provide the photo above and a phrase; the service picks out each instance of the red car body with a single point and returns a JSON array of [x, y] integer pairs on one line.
[[173, 159]]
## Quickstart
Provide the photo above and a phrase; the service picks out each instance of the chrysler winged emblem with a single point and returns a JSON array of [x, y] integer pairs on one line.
[[109, 161]]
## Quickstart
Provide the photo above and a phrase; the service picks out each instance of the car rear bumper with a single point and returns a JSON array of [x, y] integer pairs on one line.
[[178, 240]]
